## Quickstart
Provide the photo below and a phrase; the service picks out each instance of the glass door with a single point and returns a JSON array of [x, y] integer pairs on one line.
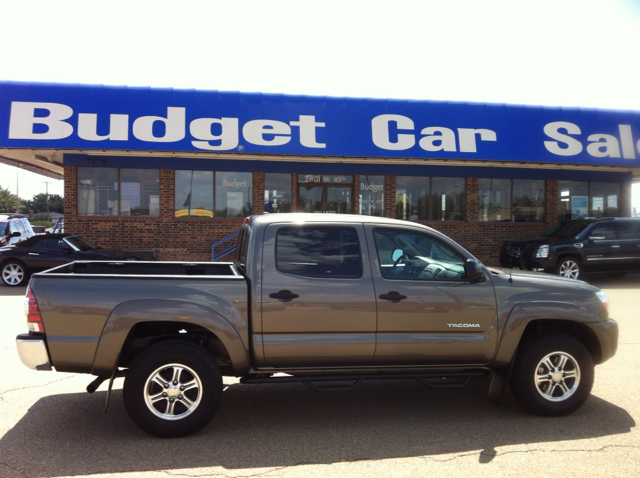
[[338, 200], [311, 199], [325, 193]]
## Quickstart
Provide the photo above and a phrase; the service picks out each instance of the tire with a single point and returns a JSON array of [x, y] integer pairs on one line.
[[569, 267], [553, 374], [14, 274], [172, 389]]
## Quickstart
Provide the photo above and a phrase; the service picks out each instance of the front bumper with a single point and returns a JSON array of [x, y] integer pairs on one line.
[[526, 261], [33, 352], [607, 332]]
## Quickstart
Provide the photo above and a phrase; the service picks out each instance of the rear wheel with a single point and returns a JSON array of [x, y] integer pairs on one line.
[[553, 374], [569, 267], [173, 389], [14, 273]]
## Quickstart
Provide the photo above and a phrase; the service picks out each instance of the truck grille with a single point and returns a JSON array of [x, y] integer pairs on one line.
[[515, 250]]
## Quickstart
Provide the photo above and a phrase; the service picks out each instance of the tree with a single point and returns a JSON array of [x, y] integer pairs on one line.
[[39, 203], [7, 200]]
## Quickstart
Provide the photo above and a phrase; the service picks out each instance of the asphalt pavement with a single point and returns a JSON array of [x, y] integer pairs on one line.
[[50, 426]]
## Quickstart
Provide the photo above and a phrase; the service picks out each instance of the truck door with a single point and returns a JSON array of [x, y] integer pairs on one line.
[[318, 305], [428, 312]]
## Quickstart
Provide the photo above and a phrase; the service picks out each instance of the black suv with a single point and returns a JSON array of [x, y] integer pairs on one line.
[[578, 247]]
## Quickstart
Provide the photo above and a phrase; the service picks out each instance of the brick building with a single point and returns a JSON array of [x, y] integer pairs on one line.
[[174, 171]]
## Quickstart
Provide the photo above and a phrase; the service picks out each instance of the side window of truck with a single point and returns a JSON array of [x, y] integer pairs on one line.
[[408, 255], [315, 251]]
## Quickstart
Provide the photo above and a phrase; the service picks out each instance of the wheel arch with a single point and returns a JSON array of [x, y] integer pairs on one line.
[[528, 318], [133, 326]]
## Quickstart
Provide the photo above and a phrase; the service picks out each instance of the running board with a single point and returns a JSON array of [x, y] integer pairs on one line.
[[320, 383]]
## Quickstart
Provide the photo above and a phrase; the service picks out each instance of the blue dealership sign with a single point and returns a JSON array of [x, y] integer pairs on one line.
[[88, 117]]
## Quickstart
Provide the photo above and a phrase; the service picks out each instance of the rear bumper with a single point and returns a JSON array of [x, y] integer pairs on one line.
[[33, 352]]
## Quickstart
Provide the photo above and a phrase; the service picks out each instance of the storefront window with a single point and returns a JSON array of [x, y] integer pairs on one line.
[[118, 192], [578, 199], [372, 195], [605, 199], [506, 200], [495, 200], [277, 192], [412, 198], [448, 199], [528, 200], [194, 194], [420, 198], [97, 191], [234, 194], [139, 192]]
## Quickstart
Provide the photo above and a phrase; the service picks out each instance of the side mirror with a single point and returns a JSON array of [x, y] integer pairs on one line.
[[473, 270], [397, 254], [15, 234]]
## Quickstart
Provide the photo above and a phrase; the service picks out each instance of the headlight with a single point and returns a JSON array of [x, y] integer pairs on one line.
[[603, 298], [543, 252]]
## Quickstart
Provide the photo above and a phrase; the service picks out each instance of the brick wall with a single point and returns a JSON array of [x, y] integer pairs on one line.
[[191, 238]]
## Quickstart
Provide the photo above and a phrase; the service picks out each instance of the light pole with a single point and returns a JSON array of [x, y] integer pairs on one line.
[[47, 186]]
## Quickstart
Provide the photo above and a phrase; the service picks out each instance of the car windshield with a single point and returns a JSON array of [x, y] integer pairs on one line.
[[569, 229], [79, 243], [3, 227]]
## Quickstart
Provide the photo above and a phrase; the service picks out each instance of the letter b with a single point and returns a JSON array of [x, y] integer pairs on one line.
[[23, 118]]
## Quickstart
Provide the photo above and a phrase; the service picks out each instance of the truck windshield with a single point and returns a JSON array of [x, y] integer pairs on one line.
[[569, 229]]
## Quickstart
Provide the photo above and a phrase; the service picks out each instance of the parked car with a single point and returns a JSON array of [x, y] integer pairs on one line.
[[14, 228], [42, 252], [578, 247]]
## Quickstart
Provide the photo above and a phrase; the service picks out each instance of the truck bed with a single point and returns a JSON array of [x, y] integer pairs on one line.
[[86, 302]]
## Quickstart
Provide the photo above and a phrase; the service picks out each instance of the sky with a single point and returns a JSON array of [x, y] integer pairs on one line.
[[547, 53]]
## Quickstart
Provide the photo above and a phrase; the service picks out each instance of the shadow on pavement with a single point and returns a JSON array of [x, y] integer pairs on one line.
[[624, 281], [263, 426]]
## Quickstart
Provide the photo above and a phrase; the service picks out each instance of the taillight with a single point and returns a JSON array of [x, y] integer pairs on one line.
[[31, 310]]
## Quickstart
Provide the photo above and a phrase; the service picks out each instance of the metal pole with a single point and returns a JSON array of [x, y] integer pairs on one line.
[[17, 195], [47, 186]]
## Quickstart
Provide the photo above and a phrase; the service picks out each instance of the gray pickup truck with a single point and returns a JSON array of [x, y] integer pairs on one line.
[[326, 300]]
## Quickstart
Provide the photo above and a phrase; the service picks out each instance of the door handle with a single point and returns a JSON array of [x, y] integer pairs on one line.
[[284, 295], [393, 297], [615, 247]]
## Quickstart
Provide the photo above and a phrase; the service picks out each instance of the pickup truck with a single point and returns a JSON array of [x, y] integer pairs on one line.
[[326, 300]]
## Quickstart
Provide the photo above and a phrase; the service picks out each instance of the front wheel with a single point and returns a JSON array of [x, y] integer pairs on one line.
[[553, 374], [569, 267], [173, 389]]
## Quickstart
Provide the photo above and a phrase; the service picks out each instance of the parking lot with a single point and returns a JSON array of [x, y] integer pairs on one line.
[[49, 425]]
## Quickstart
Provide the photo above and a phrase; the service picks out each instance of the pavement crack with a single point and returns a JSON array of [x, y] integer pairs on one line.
[[489, 454], [35, 386], [252, 475]]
